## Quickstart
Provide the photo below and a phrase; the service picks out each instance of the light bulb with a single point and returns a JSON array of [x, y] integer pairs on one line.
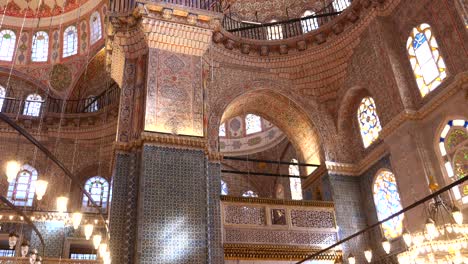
[[41, 188], [431, 228], [386, 246], [62, 202], [97, 241], [102, 249], [76, 220], [407, 238], [457, 215], [351, 259], [12, 169], [368, 255], [88, 230]]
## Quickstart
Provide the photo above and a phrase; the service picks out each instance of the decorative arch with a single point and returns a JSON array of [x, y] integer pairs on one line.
[[286, 115], [96, 27], [425, 58], [40, 47], [21, 190], [7, 44], [98, 187], [70, 41], [369, 121], [453, 150], [387, 202], [295, 183]]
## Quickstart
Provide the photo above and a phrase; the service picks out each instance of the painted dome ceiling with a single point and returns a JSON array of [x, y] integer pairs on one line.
[[267, 10], [243, 135], [36, 9]]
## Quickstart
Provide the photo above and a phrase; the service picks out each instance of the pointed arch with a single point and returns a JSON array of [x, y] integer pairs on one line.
[[32, 105], [40, 46], [96, 27], [98, 187], [70, 41], [7, 44], [369, 122], [424, 55], [453, 150], [387, 202], [21, 190]]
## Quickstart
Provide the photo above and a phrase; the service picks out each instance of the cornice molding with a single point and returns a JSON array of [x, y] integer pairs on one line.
[[270, 201]]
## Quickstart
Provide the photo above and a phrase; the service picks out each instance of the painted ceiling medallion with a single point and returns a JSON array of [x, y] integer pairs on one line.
[[60, 77]]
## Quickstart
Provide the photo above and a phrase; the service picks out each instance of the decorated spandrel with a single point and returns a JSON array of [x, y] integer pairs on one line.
[[369, 122], [425, 58], [387, 202]]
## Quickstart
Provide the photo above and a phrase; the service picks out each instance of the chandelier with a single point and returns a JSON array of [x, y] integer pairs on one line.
[[444, 239]]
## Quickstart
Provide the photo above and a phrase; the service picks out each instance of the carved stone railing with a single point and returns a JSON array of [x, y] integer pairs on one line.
[[19, 260], [277, 229]]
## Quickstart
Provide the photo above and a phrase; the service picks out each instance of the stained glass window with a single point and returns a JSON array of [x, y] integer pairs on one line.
[[222, 130], [253, 124], [387, 202], [91, 104], [295, 183], [340, 5], [40, 46], [309, 24], [96, 28], [70, 41], [7, 44], [224, 188], [249, 193], [369, 122], [453, 147], [274, 32], [425, 58], [21, 190], [2, 96], [32, 105], [98, 188]]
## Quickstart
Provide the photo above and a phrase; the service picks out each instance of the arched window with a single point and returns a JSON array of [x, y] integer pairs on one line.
[[98, 187], [274, 32], [7, 44], [424, 55], [21, 190], [253, 124], [369, 122], [2, 96], [453, 146], [222, 130], [249, 193], [224, 188], [387, 202], [91, 104], [96, 28], [70, 41], [340, 5], [40, 46], [32, 105], [295, 183], [309, 24]]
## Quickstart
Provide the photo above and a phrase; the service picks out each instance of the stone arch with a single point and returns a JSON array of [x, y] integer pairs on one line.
[[285, 114]]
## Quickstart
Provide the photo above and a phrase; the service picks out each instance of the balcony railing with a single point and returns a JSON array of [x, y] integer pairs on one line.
[[285, 29], [53, 105], [210, 5]]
